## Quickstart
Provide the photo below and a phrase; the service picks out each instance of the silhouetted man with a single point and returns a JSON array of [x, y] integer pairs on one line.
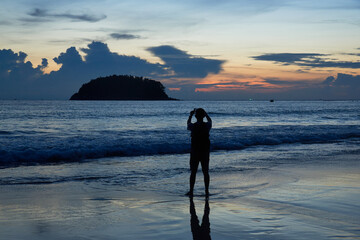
[[200, 232], [200, 147]]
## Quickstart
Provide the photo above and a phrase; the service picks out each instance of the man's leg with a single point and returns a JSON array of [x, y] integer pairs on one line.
[[205, 170], [194, 163]]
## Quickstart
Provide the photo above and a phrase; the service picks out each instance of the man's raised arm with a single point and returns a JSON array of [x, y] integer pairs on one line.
[[208, 120], [189, 124]]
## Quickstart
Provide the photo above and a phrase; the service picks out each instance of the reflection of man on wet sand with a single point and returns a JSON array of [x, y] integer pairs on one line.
[[200, 147], [200, 232]]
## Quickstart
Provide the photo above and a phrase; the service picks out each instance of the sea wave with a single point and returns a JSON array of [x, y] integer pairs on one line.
[[44, 149], [5, 132]]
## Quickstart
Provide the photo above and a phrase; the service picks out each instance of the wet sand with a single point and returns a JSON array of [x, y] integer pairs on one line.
[[307, 201]]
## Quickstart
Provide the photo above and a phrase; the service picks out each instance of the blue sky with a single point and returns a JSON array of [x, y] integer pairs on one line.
[[198, 49]]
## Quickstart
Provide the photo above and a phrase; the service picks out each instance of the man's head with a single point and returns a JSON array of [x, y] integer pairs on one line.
[[200, 114]]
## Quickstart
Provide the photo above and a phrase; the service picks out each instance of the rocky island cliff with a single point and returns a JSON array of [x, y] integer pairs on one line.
[[121, 87]]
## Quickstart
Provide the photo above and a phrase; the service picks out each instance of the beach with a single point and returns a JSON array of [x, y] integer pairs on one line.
[[120, 170], [301, 200]]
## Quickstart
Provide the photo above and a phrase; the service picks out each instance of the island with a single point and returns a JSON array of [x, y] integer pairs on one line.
[[121, 87]]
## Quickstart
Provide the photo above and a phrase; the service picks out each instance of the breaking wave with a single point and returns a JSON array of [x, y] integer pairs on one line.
[[49, 148]]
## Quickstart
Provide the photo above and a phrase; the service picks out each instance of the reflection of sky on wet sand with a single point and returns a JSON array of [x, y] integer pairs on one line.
[[321, 202], [272, 192]]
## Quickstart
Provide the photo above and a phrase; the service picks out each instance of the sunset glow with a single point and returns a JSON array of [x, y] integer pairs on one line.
[[191, 47]]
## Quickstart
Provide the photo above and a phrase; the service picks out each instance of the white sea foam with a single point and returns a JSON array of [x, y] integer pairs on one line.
[[63, 131]]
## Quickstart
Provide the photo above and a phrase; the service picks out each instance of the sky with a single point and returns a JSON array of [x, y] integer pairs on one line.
[[199, 50]]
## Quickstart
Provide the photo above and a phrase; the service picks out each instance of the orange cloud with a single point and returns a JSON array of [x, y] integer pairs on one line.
[[175, 89]]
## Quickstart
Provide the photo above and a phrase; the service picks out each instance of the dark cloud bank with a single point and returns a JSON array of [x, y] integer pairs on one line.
[[186, 65], [20, 79]]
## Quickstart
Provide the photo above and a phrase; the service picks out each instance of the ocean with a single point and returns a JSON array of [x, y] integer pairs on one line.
[[42, 132], [110, 169], [143, 134]]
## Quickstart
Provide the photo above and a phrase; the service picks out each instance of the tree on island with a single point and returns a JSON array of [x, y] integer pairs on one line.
[[121, 87]]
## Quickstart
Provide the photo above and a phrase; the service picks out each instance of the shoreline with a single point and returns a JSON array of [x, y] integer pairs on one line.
[[306, 200]]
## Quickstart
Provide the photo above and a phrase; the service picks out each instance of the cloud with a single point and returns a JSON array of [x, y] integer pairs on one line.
[[42, 13], [185, 65], [19, 79], [289, 83], [339, 87], [339, 82], [344, 80], [44, 63], [123, 36], [97, 61], [17, 75], [99, 56], [287, 58], [75, 70], [38, 13], [315, 60], [70, 58], [14, 66]]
